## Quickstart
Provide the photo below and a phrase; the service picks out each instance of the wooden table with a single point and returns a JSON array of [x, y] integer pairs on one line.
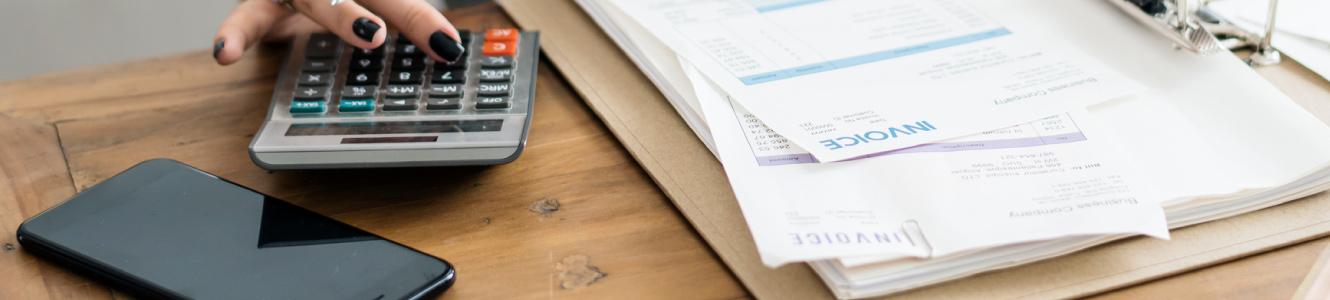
[[574, 217]]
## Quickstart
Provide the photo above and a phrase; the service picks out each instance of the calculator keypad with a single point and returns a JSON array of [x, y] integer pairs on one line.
[[398, 77]]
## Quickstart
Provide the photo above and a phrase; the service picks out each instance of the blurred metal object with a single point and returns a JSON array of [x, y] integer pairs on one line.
[[1266, 54], [1192, 26], [1183, 14], [1174, 20]]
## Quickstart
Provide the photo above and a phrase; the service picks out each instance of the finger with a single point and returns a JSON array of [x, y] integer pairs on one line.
[[293, 25], [353, 23], [423, 25], [249, 22]]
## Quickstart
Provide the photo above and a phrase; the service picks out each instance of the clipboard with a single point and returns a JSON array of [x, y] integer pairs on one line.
[[648, 126]]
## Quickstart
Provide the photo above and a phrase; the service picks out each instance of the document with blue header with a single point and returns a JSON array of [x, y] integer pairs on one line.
[[1050, 178], [849, 79], [1007, 195]]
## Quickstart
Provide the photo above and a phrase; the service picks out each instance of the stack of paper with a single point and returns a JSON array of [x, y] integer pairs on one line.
[[896, 144]]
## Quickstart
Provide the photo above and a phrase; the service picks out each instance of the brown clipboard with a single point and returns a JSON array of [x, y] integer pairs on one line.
[[652, 131]]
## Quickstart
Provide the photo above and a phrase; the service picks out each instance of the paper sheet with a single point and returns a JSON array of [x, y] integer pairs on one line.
[[1207, 129], [845, 79], [1036, 181], [1140, 50]]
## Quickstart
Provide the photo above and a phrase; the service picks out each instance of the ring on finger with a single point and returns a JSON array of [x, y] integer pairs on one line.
[[285, 3], [288, 5]]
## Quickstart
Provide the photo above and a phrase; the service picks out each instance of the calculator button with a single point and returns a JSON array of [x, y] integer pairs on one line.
[[362, 78], [405, 50], [465, 35], [323, 45], [493, 102], [355, 105], [444, 65], [501, 35], [359, 91], [402, 91], [448, 76], [496, 61], [445, 90], [298, 107], [496, 75], [409, 63], [461, 59], [499, 48], [317, 66], [443, 103], [369, 53], [399, 104], [366, 64], [490, 89], [320, 78], [311, 93], [404, 77], [401, 39]]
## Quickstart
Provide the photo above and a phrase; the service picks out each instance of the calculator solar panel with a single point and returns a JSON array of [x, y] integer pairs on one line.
[[337, 106]]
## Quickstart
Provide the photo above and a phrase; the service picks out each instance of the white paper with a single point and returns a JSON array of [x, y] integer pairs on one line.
[[850, 78], [1037, 181], [1181, 136], [1210, 136]]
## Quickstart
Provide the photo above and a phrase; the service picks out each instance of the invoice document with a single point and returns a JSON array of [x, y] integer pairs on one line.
[[1049, 178], [847, 79]]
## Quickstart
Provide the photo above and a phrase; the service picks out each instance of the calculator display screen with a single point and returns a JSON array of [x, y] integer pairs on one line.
[[394, 127]]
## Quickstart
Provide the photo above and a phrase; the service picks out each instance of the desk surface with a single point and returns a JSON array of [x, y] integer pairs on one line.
[[574, 217]]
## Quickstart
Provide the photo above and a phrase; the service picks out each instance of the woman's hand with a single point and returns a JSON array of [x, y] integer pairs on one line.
[[358, 25]]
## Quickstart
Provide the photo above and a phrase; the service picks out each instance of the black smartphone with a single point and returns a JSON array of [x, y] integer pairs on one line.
[[166, 230]]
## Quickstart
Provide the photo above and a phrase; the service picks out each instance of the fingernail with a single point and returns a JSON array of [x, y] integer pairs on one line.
[[217, 47], [445, 46], [365, 29]]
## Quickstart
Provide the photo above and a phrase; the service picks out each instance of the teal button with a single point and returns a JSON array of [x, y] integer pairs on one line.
[[306, 107], [350, 105]]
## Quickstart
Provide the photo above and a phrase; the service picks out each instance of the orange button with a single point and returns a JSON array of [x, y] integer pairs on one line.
[[500, 49], [501, 35]]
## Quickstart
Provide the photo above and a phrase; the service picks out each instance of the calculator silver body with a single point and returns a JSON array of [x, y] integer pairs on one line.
[[275, 147]]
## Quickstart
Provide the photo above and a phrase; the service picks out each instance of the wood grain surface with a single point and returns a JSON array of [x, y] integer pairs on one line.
[[574, 218]]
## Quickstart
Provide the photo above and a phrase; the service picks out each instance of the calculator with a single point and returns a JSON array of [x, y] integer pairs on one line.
[[338, 106]]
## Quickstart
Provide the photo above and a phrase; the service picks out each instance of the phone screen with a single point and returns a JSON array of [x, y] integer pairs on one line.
[[184, 231]]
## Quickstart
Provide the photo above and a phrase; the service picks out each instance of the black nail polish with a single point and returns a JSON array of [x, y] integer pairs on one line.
[[445, 46], [365, 29], [217, 47]]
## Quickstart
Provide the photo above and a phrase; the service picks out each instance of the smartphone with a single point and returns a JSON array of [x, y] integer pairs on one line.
[[166, 230]]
